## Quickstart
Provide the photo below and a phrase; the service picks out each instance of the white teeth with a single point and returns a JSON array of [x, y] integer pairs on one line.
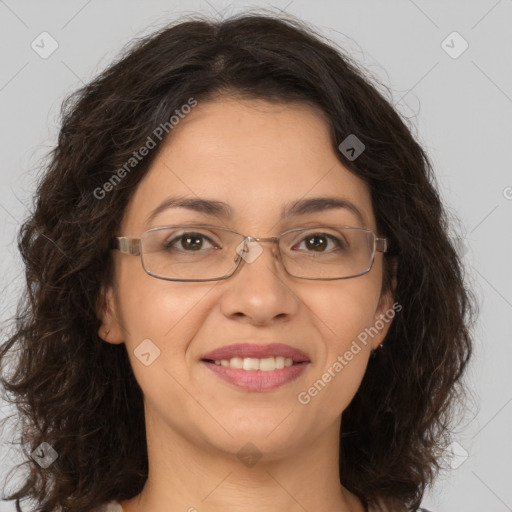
[[251, 364], [266, 364], [235, 362]]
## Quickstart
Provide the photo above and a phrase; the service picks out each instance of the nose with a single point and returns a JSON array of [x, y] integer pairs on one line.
[[259, 291]]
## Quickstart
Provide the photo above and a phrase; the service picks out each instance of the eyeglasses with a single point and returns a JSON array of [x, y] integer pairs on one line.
[[211, 253]]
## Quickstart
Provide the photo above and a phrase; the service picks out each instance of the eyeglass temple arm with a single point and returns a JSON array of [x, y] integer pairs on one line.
[[125, 244], [381, 244]]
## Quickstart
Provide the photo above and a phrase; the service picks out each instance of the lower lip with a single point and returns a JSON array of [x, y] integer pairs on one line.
[[257, 380]]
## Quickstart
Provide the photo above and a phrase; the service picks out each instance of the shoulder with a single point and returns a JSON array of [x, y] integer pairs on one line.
[[382, 507], [401, 509], [111, 506]]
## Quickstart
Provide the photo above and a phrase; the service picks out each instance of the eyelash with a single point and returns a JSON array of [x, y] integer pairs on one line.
[[169, 244]]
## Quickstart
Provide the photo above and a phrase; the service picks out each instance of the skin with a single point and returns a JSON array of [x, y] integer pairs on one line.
[[256, 156]]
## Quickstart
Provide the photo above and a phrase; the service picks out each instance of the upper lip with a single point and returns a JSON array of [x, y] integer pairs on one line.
[[257, 351]]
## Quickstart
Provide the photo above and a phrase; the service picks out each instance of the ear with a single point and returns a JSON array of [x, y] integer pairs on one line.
[[106, 309], [385, 312]]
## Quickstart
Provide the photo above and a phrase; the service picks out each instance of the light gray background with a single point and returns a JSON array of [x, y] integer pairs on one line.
[[461, 110]]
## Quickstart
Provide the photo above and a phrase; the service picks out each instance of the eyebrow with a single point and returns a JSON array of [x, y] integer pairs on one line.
[[223, 210]]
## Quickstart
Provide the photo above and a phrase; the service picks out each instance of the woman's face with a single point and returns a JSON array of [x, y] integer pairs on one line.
[[257, 158]]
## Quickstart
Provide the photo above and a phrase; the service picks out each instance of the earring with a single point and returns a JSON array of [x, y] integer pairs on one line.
[[373, 352]]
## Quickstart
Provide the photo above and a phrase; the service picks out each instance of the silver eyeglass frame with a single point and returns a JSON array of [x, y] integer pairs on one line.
[[132, 246]]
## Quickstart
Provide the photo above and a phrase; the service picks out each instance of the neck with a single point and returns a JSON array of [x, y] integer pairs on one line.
[[186, 475]]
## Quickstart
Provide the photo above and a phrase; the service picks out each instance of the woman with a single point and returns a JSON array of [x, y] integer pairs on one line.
[[241, 293]]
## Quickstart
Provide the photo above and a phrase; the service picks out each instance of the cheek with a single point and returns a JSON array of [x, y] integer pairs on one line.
[[343, 316], [159, 318], [348, 309], [164, 312]]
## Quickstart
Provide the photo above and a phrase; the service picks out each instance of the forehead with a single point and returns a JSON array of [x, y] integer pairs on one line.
[[256, 156]]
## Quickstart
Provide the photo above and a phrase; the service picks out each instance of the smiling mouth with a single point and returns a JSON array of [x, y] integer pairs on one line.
[[257, 375], [265, 364]]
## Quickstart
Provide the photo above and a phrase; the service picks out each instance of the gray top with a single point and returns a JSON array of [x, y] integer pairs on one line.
[[383, 508], [111, 506], [115, 506]]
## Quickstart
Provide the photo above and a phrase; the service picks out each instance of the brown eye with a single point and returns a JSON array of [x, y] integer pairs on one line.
[[321, 242], [316, 242], [188, 242]]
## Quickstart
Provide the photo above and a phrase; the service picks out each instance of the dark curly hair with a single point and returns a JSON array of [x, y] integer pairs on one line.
[[78, 393]]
